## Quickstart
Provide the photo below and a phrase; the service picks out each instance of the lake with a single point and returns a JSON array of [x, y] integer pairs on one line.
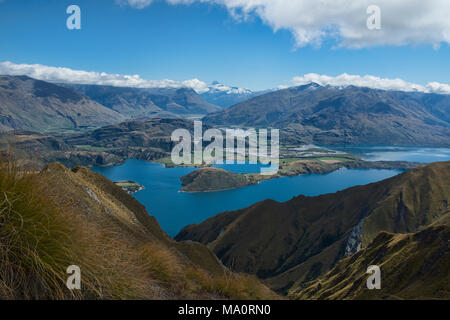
[[175, 210], [413, 154]]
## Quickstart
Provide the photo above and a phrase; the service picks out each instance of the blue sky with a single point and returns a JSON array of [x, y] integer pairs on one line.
[[199, 40]]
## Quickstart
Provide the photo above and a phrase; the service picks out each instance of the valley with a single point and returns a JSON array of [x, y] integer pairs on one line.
[[337, 200], [225, 158], [292, 243]]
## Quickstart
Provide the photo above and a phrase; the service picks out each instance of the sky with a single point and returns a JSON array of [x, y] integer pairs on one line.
[[255, 44]]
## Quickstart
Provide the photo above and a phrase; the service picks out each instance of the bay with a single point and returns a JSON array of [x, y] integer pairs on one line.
[[175, 210]]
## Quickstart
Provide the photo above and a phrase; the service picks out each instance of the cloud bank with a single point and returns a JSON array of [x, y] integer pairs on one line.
[[66, 75], [403, 22], [369, 81]]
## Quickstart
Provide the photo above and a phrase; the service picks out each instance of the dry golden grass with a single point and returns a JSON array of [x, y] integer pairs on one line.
[[40, 238], [44, 228], [34, 239], [188, 281]]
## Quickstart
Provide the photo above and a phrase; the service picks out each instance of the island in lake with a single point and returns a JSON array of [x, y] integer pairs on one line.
[[213, 179], [130, 186]]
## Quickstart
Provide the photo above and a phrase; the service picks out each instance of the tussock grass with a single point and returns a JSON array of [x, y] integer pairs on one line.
[[188, 281], [40, 238], [34, 240], [43, 230]]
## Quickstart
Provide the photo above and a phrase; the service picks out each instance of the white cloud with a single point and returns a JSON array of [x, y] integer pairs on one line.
[[369, 81], [345, 21], [66, 75], [138, 4]]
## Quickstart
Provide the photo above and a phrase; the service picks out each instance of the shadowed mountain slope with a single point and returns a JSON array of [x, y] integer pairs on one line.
[[413, 266], [147, 103], [298, 240], [30, 104], [352, 115]]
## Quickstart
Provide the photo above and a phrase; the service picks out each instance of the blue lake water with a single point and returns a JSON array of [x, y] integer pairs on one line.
[[175, 210], [413, 154]]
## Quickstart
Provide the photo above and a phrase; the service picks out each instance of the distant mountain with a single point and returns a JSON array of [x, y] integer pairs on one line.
[[350, 115], [30, 104], [147, 103], [224, 96], [148, 133], [291, 243], [413, 266]]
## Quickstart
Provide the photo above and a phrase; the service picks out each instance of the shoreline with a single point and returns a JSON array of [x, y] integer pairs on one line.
[[256, 178]]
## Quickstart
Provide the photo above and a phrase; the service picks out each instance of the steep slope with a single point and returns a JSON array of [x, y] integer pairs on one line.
[[413, 266], [147, 103], [40, 106], [350, 115], [298, 240], [60, 217]]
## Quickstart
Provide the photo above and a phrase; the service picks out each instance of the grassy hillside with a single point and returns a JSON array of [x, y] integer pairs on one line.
[[413, 266], [57, 217], [296, 241]]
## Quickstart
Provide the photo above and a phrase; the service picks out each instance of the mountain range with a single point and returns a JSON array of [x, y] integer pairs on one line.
[[35, 105], [30, 104], [147, 102], [350, 115], [292, 243], [307, 248], [306, 114]]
